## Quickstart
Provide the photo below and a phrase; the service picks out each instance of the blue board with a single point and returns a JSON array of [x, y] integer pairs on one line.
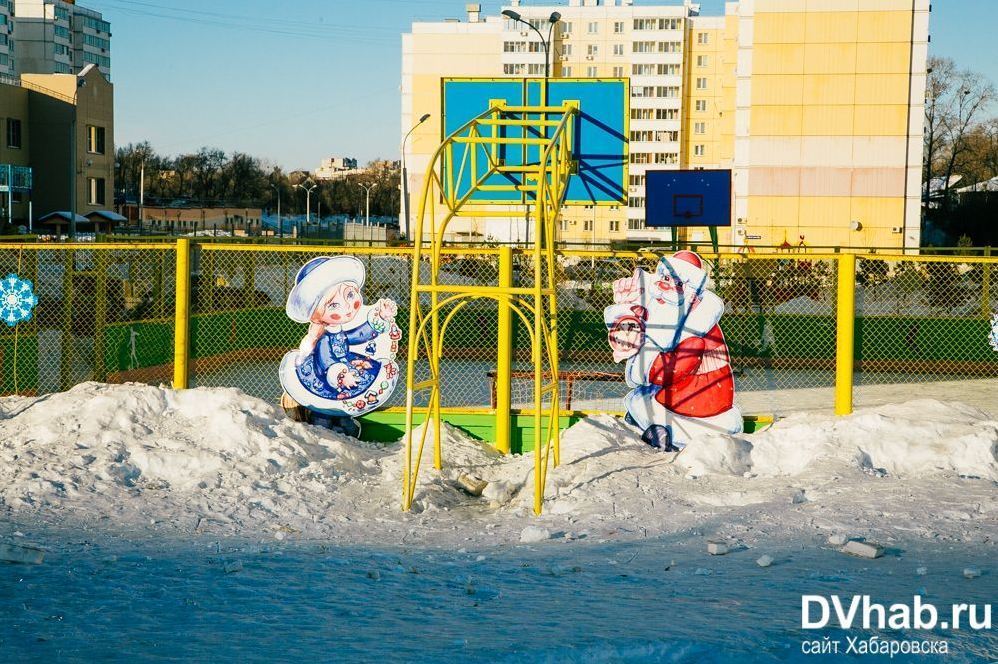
[[687, 198], [601, 134]]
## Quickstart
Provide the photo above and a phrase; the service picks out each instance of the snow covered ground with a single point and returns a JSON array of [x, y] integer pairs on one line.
[[144, 497]]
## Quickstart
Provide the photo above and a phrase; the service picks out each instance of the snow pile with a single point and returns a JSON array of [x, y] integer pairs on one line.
[[920, 437], [214, 460]]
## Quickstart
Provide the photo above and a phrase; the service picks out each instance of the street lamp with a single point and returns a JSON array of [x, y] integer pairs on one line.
[[308, 200], [405, 178], [280, 225], [554, 18], [367, 213]]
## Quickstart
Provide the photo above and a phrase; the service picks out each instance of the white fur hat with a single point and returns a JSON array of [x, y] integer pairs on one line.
[[315, 278], [688, 266]]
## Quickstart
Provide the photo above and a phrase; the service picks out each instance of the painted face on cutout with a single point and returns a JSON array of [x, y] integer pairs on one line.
[[339, 305], [627, 334], [668, 285]]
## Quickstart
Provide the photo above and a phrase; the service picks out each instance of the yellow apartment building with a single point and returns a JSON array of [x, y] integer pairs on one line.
[[815, 106]]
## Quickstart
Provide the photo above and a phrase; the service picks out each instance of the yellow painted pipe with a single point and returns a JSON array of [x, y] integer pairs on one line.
[[845, 326], [182, 317]]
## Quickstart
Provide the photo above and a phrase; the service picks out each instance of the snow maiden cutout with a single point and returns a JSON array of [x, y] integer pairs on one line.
[[665, 325], [345, 366]]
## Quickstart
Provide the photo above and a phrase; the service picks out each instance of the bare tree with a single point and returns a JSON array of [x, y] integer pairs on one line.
[[961, 109]]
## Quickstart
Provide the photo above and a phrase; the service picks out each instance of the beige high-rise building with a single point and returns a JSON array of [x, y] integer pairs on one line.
[[59, 37], [814, 105]]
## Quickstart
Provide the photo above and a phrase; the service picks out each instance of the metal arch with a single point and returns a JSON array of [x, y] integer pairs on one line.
[[548, 182]]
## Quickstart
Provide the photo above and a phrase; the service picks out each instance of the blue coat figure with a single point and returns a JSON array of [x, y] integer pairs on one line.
[[345, 366]]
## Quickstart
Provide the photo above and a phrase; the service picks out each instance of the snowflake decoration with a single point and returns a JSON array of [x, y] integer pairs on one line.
[[16, 300], [993, 337]]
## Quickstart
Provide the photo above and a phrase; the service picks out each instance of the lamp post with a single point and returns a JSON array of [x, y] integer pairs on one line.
[[308, 200], [546, 43], [367, 209], [280, 226], [80, 82], [405, 178], [554, 18]]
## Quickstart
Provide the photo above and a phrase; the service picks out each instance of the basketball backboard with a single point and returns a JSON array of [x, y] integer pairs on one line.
[[600, 134], [688, 198]]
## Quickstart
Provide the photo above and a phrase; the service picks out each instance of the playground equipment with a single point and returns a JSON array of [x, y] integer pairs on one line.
[[516, 143]]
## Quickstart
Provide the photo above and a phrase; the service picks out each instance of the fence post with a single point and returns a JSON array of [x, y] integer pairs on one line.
[[182, 318], [986, 285], [504, 356], [845, 333]]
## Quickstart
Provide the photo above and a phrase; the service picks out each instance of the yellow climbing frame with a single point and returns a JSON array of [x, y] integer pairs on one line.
[[549, 130]]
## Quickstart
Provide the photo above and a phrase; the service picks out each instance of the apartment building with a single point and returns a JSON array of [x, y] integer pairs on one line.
[[815, 105], [6, 41], [60, 37], [62, 127]]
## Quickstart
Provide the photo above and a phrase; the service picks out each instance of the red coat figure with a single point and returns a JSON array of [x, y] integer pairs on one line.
[[666, 326]]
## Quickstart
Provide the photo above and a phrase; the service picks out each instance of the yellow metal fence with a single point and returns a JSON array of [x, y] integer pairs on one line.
[[806, 331]]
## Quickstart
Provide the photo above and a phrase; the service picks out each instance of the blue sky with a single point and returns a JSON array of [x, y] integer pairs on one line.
[[294, 81]]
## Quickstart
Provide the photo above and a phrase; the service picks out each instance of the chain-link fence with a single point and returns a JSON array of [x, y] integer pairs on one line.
[[104, 313], [926, 321], [779, 324]]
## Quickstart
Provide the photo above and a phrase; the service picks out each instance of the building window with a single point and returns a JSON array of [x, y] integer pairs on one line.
[[95, 139], [703, 37], [635, 224], [593, 27], [699, 127], [667, 91], [666, 113], [592, 50], [96, 189], [514, 69], [642, 70], [702, 60], [618, 27], [614, 226], [566, 49], [666, 158], [14, 133], [566, 71], [642, 91], [701, 83], [618, 49], [640, 158], [618, 72], [699, 150], [566, 27], [636, 180], [670, 24], [643, 47], [668, 70], [61, 32], [670, 47], [587, 225], [591, 72], [642, 114], [61, 13], [535, 69], [514, 47], [701, 105], [636, 201]]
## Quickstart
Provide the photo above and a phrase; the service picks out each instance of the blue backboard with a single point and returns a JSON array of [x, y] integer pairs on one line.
[[601, 134], [687, 198]]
